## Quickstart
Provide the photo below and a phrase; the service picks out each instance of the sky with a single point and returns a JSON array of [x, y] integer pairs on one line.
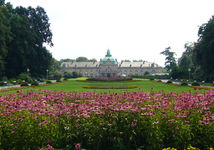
[[131, 29]]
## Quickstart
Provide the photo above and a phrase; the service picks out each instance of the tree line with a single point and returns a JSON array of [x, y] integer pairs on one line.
[[197, 61], [23, 33]]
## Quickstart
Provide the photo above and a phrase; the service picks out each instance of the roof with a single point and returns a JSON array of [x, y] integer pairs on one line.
[[108, 57], [96, 64], [81, 64], [137, 64]]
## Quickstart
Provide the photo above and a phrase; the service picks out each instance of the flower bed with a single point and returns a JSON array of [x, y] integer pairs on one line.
[[110, 87], [112, 79], [135, 120], [202, 87]]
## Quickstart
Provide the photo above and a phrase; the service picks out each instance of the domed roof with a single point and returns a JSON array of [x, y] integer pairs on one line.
[[108, 57]]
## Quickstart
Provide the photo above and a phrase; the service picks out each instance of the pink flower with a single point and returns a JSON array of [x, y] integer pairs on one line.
[[134, 124], [156, 122], [109, 124], [49, 147], [77, 146]]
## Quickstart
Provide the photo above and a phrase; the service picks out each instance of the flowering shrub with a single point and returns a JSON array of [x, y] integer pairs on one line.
[[110, 79], [110, 86], [88, 120]]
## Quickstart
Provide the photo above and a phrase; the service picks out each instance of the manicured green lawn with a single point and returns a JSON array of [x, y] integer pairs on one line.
[[77, 86]]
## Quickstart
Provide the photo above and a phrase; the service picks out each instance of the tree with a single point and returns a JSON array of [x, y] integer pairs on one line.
[[31, 29], [5, 36], [92, 60], [2, 2], [170, 61], [81, 59], [204, 49]]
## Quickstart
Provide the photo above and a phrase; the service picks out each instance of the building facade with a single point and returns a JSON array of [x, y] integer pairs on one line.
[[109, 67]]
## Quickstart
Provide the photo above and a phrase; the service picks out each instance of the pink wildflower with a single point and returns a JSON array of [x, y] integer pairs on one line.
[[156, 122], [49, 147], [77, 146]]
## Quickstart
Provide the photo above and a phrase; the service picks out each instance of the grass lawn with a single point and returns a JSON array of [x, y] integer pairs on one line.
[[77, 86]]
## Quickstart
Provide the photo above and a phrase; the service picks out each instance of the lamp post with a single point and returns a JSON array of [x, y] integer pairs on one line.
[[189, 73], [47, 73]]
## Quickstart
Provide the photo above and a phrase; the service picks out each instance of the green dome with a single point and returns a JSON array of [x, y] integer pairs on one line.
[[108, 57]]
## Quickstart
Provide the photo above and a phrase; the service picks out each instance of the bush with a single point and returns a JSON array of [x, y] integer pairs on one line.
[[151, 76], [71, 75], [35, 83], [24, 84], [40, 80], [152, 79], [48, 82], [3, 83], [195, 84], [25, 76], [169, 81], [57, 76], [58, 80], [109, 87], [112, 79], [184, 84]]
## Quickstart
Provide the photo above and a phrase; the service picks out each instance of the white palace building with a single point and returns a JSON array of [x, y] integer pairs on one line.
[[109, 67]]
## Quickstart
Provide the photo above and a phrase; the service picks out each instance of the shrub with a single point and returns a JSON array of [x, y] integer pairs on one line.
[[57, 76], [169, 81], [3, 83], [152, 79], [24, 84], [58, 80], [25, 76], [35, 83], [184, 84], [48, 82], [195, 84]]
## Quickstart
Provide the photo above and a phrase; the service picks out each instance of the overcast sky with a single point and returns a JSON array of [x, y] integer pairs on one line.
[[131, 29]]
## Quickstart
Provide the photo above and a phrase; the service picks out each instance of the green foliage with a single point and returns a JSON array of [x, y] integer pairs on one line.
[[195, 84], [146, 73], [23, 34], [24, 84], [144, 84], [108, 121], [170, 61], [151, 76], [184, 84], [25, 76], [3, 83], [73, 74], [35, 83], [186, 59], [2, 2], [152, 79], [169, 81], [84, 59], [48, 82], [5, 37], [203, 51], [58, 80], [55, 76], [179, 73]]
